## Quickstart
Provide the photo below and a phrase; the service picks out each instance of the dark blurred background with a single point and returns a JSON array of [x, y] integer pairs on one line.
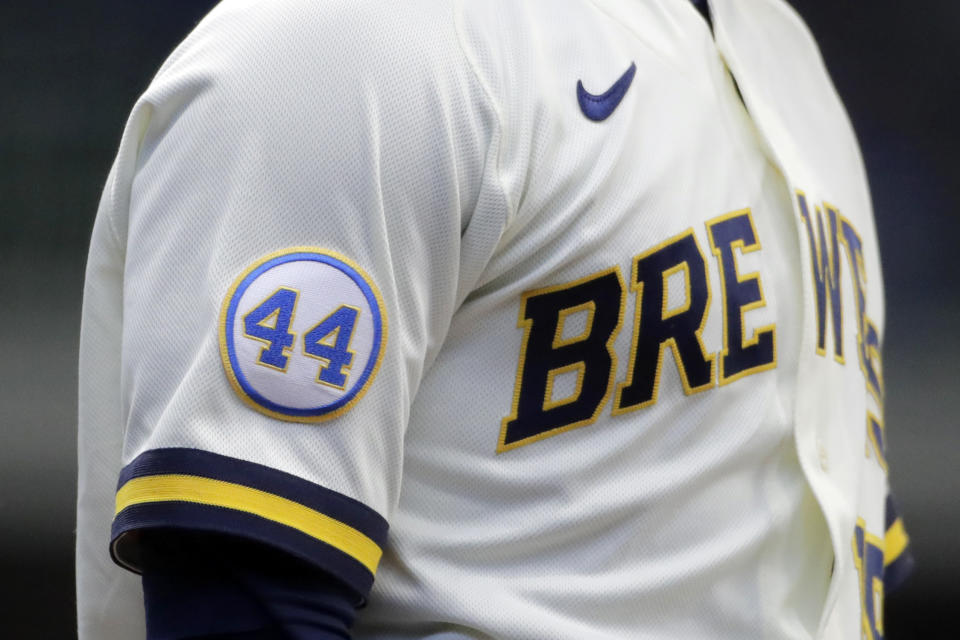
[[69, 73]]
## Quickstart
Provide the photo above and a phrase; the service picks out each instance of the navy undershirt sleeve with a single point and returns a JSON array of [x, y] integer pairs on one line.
[[207, 586]]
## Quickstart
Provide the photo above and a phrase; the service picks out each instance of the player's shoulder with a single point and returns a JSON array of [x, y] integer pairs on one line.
[[270, 45]]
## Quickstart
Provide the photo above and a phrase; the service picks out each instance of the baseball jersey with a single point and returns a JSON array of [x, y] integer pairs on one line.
[[526, 319]]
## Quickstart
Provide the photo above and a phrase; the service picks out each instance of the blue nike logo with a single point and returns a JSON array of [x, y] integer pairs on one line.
[[599, 107]]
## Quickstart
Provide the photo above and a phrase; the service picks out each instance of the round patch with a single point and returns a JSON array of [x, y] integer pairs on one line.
[[302, 333]]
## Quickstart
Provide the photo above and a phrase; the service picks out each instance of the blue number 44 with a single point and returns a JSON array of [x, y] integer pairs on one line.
[[329, 340], [270, 322]]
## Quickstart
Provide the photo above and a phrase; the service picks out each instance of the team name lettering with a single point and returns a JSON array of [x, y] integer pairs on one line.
[[871, 553], [741, 356], [680, 329], [549, 352], [826, 268], [569, 329], [552, 351], [868, 557]]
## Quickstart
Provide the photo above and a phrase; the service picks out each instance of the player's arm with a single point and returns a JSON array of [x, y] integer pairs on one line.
[[204, 585], [292, 250]]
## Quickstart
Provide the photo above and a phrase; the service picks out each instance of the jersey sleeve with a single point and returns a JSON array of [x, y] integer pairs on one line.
[[293, 251]]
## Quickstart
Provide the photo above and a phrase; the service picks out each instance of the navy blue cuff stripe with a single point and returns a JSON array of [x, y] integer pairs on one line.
[[198, 490], [200, 517], [204, 464]]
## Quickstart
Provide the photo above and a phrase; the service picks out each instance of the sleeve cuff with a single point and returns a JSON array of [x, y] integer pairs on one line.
[[199, 490]]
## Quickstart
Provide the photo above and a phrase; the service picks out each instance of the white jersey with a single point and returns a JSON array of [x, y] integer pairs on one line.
[[559, 319]]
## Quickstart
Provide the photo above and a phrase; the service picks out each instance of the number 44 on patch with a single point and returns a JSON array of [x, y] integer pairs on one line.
[[328, 341], [334, 309]]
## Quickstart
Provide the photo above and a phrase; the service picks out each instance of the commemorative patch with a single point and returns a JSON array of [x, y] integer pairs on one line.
[[302, 334]]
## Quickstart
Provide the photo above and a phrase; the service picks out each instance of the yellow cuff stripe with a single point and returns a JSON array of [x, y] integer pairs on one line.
[[216, 493], [894, 542]]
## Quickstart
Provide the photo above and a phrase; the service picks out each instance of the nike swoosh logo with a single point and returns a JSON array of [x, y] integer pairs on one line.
[[599, 107]]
